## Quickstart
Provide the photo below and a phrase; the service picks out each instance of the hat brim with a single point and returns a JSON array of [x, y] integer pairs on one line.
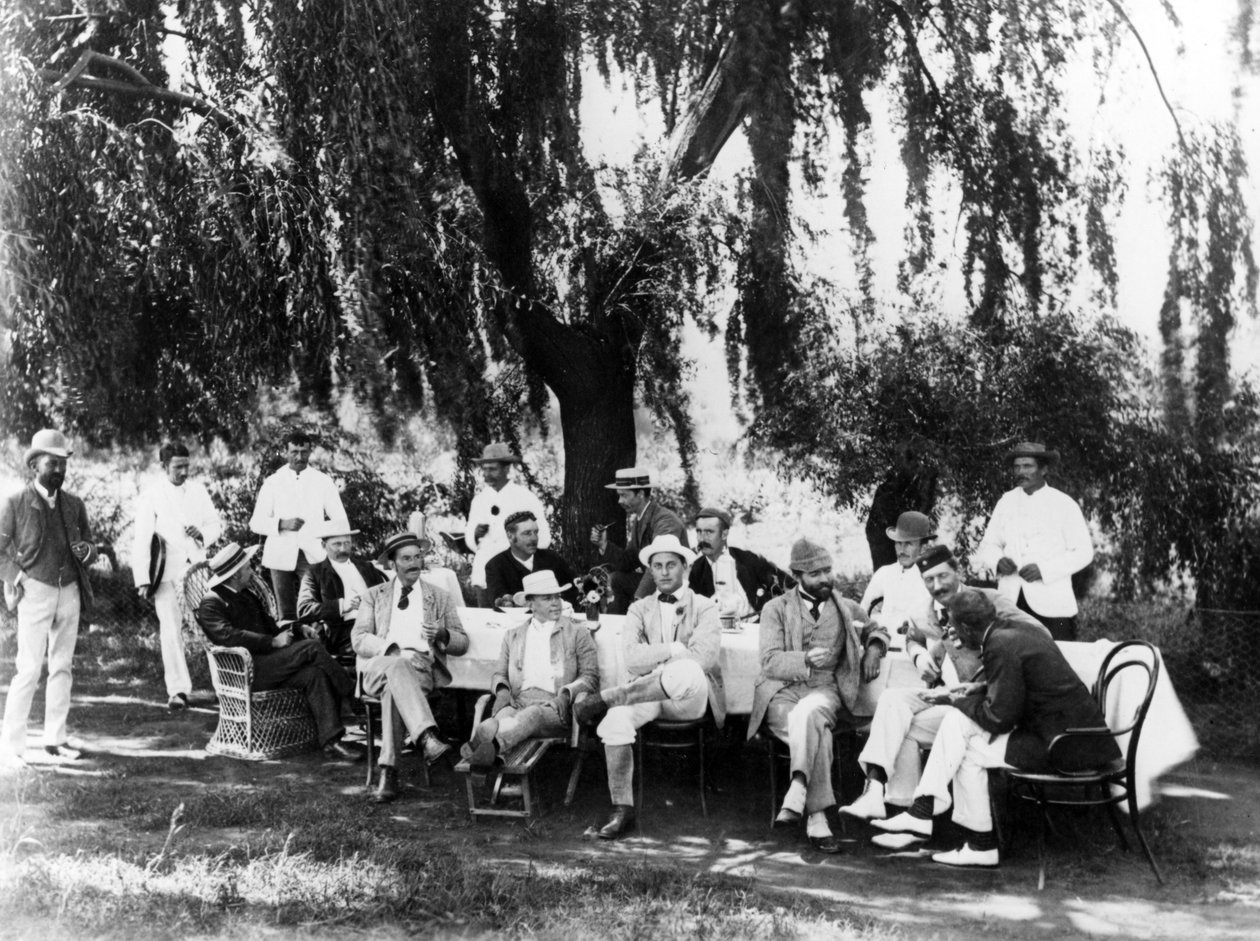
[[510, 459], [535, 594], [424, 545], [621, 486], [157, 564], [645, 555], [219, 579], [1050, 457], [32, 453], [348, 532], [896, 535]]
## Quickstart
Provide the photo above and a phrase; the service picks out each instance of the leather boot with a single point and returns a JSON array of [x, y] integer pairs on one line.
[[387, 787], [621, 821]]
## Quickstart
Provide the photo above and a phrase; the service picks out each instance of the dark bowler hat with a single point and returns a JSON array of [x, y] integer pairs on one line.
[[399, 541], [934, 556], [911, 525], [1032, 449]]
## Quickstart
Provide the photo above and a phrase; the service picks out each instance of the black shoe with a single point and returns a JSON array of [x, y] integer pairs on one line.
[[590, 710], [829, 844], [786, 817], [622, 820], [177, 703], [335, 751], [64, 752], [483, 757], [434, 748], [387, 787]]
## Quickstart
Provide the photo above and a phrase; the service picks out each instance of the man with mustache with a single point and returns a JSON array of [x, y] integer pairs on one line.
[[905, 720], [1036, 541], [334, 589], [897, 587], [817, 649], [506, 572], [485, 532], [45, 544], [646, 521], [739, 581]]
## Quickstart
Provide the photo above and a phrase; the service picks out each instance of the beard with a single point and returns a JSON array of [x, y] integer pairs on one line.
[[822, 592]]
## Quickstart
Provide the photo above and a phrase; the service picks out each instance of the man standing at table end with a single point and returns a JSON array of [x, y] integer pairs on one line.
[[291, 504], [672, 640], [175, 521], [45, 546], [817, 650], [646, 521], [484, 532], [1036, 540]]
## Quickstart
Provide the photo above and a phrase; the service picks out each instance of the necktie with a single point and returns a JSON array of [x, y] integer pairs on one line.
[[943, 620], [668, 599], [815, 608], [404, 600]]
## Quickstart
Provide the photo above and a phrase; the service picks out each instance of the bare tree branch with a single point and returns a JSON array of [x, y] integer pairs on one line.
[[1120, 11]]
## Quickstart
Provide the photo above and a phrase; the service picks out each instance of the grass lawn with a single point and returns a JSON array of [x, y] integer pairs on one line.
[[147, 837]]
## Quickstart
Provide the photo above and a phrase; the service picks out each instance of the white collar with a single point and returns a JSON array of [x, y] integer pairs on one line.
[[548, 627], [49, 498]]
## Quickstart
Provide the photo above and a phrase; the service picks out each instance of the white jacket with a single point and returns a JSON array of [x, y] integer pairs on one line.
[[313, 497], [165, 509]]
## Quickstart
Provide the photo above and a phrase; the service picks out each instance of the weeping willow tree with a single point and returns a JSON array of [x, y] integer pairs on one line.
[[395, 199]]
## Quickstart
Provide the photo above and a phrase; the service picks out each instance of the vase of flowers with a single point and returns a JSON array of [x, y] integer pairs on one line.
[[596, 594]]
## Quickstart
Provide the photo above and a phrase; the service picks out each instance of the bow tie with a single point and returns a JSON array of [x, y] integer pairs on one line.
[[667, 599]]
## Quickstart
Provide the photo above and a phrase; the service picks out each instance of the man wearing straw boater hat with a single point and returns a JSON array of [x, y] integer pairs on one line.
[[290, 656], [484, 532], [1036, 540], [403, 633], [175, 522], [545, 666], [333, 589], [817, 649], [899, 586], [645, 521], [672, 640], [45, 544]]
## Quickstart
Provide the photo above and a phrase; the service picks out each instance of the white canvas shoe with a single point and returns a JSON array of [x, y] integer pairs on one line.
[[966, 856], [904, 823], [896, 841], [870, 806]]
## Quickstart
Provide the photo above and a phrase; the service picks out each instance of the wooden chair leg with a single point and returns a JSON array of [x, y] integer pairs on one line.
[[574, 775], [704, 806], [1135, 818], [1041, 840], [774, 781], [370, 728], [1114, 816], [472, 795]]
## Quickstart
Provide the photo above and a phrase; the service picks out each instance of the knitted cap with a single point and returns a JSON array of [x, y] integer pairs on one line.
[[808, 556]]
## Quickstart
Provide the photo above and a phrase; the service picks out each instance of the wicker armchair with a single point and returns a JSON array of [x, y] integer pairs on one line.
[[255, 726]]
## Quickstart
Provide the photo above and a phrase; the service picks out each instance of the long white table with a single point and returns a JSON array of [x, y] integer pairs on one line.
[[1169, 739]]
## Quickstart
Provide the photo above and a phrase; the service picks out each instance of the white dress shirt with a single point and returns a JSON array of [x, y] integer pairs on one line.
[[905, 596], [406, 628], [1045, 527], [166, 509], [537, 670], [312, 496], [727, 591], [513, 498], [669, 615], [352, 583]]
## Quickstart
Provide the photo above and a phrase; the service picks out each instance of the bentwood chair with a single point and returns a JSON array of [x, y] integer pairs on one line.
[[1115, 783]]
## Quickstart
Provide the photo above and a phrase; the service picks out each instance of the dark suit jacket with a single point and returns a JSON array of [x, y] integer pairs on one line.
[[236, 619], [654, 521], [760, 578], [322, 591], [1035, 694], [22, 528], [505, 575]]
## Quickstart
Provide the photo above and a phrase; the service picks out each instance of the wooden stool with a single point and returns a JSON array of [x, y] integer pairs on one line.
[[518, 763]]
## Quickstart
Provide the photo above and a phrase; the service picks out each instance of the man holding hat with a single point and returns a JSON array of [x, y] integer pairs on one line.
[[545, 666], [403, 633], [671, 641], [506, 572], [899, 585], [333, 589], [45, 546], [175, 521], [817, 649], [645, 521], [484, 532], [1036, 541], [291, 504], [906, 720], [739, 581], [233, 616]]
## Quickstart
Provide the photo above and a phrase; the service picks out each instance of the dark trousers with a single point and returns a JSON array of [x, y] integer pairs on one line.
[[1059, 628], [286, 585], [305, 665]]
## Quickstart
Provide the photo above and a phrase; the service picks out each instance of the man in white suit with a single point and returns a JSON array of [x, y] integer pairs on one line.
[[672, 640], [403, 633], [292, 503], [175, 521]]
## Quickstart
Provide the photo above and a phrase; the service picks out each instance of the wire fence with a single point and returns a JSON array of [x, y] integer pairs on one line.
[[1212, 656]]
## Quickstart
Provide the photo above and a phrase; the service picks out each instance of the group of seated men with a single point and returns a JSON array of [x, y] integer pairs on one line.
[[998, 688]]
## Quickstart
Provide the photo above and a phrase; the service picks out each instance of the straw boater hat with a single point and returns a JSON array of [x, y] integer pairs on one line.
[[498, 452], [49, 441], [227, 562], [399, 541], [1032, 449], [911, 525], [666, 542], [631, 478], [330, 528]]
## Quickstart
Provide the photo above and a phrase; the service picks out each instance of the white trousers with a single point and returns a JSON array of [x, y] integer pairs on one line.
[[903, 723], [47, 621], [963, 754], [687, 689], [171, 634]]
